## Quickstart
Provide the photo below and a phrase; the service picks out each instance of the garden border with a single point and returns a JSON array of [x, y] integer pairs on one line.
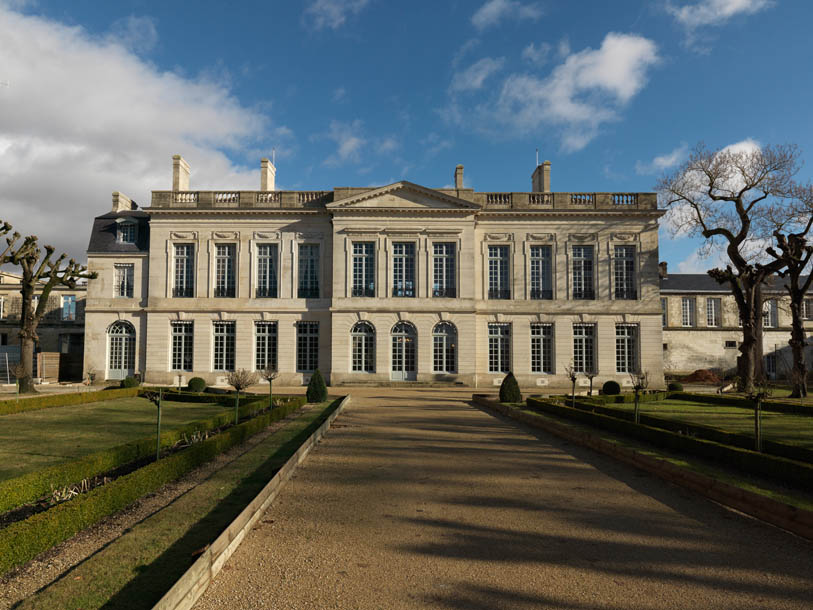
[[189, 587]]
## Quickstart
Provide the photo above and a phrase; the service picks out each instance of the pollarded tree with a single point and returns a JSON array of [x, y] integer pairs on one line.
[[730, 197], [40, 274]]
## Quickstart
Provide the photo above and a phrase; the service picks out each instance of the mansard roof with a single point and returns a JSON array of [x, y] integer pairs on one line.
[[403, 195], [104, 235], [704, 283]]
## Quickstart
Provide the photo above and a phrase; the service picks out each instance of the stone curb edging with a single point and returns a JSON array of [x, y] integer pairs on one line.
[[189, 587], [796, 520]]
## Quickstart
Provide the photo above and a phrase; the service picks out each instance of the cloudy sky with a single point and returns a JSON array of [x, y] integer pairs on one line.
[[96, 96]]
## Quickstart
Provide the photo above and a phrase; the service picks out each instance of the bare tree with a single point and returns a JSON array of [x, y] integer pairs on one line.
[[270, 374], [640, 382], [730, 198], [240, 379], [39, 274], [570, 371]]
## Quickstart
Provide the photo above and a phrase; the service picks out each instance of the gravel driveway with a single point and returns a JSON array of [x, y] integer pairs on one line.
[[418, 500]]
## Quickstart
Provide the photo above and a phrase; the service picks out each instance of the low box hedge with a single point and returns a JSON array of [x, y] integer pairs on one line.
[[627, 397], [33, 403], [777, 406], [29, 487], [24, 540], [777, 468]]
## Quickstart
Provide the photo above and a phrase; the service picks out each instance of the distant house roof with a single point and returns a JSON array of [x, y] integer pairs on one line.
[[104, 235], [702, 282]]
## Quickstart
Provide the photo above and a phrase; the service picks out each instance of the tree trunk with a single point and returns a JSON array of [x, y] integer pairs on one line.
[[26, 381], [749, 362], [797, 343]]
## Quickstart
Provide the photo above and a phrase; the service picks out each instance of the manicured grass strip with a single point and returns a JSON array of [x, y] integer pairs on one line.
[[34, 403], [23, 540], [137, 569], [780, 469], [724, 400], [29, 487]]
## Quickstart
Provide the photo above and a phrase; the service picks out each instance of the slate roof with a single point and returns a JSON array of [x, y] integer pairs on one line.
[[103, 235], [702, 282]]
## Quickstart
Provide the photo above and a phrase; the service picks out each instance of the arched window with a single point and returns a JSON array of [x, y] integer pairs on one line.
[[444, 341], [362, 336], [404, 341], [121, 350]]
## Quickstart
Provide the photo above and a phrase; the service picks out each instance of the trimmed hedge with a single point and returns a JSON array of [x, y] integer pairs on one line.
[[611, 388], [8, 407], [628, 397], [196, 384], [778, 406], [317, 390], [509, 389], [33, 485], [24, 540], [751, 462], [675, 386]]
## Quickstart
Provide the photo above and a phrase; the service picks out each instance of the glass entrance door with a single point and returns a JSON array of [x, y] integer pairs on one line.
[[120, 350], [404, 340]]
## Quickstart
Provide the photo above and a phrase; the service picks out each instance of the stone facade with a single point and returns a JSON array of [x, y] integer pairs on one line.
[[390, 276]]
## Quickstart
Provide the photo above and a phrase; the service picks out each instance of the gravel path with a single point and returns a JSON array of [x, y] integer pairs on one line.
[[418, 500]]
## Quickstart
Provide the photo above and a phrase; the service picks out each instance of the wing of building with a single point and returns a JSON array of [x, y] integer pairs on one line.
[[376, 284]]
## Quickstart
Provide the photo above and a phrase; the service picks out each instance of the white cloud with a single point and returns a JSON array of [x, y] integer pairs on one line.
[[582, 93], [536, 55], [83, 116], [349, 142], [388, 145], [714, 12], [138, 34], [701, 261], [663, 162], [495, 11], [464, 50], [333, 13], [434, 144], [473, 77], [339, 94]]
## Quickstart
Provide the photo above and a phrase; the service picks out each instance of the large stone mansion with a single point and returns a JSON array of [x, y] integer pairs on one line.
[[376, 284]]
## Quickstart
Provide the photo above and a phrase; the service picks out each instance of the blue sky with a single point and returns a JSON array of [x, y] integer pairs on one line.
[[97, 96]]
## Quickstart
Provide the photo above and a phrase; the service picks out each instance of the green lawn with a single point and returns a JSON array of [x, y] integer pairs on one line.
[[780, 427], [36, 439]]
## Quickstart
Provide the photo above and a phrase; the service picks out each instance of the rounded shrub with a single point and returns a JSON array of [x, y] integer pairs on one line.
[[675, 386], [509, 389], [196, 384], [130, 382], [317, 390], [611, 388]]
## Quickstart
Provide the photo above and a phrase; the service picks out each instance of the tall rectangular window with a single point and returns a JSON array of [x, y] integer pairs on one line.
[[127, 232], [224, 333], [584, 346], [123, 280], [403, 269], [265, 345], [542, 348], [184, 271], [363, 269], [541, 272], [499, 280], [2, 307], [499, 348], [583, 272], [308, 271], [626, 348], [225, 278], [182, 345], [770, 314], [624, 273], [713, 311], [307, 346], [69, 307], [807, 309], [267, 271], [664, 312], [688, 311], [443, 269]]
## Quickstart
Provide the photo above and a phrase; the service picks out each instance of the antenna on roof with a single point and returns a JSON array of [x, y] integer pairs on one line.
[[537, 157], [274, 156]]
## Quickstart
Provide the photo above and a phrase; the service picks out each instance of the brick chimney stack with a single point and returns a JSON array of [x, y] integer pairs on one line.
[[458, 177], [268, 175], [540, 179], [662, 269], [180, 173]]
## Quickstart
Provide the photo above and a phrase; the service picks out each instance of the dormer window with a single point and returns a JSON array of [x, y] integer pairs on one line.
[[127, 232]]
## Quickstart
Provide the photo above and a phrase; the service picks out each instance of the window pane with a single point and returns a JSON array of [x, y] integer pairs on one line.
[[583, 272], [444, 348], [541, 272], [224, 346], [182, 345], [403, 269], [362, 338], [363, 269], [542, 348], [584, 348], [499, 281], [624, 272], [225, 283], [265, 337], [688, 311], [184, 270], [626, 348], [307, 346], [443, 270], [499, 348], [123, 280], [308, 271], [69, 307], [267, 271], [712, 312]]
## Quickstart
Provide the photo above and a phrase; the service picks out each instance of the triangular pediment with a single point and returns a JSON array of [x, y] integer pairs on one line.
[[403, 196]]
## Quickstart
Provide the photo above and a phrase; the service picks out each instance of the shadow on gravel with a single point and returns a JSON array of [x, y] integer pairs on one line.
[[154, 580]]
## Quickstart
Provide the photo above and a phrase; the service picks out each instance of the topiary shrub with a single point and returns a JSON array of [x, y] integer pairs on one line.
[[130, 382], [196, 384], [509, 389], [611, 388], [675, 386], [317, 390]]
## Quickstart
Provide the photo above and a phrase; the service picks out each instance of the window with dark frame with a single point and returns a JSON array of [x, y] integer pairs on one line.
[[403, 269], [583, 259], [307, 346], [443, 269], [541, 272], [499, 280], [624, 279], [362, 337], [444, 348], [225, 263], [184, 271], [363, 269], [626, 348], [308, 271], [182, 345], [584, 346], [265, 345], [123, 280], [267, 271], [224, 339], [542, 348], [499, 348]]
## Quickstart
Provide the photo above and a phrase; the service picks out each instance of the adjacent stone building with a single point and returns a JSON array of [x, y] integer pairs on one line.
[[701, 326], [376, 284]]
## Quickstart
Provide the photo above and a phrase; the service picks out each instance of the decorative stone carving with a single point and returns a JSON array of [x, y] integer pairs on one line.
[[540, 237], [226, 234], [266, 234], [363, 231], [361, 315], [582, 237], [309, 236], [623, 236], [184, 235], [499, 237]]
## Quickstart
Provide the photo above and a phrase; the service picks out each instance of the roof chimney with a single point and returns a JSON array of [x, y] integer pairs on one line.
[[662, 269], [122, 203], [180, 174], [540, 179], [458, 177], [268, 175]]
